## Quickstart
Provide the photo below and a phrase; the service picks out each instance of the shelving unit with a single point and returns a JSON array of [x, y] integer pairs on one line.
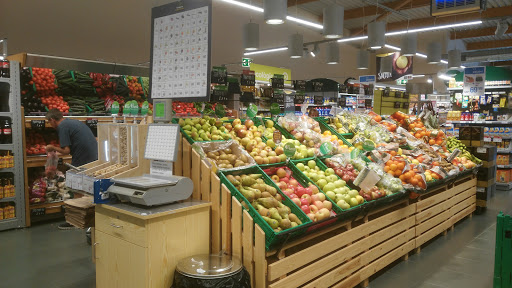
[[15, 113]]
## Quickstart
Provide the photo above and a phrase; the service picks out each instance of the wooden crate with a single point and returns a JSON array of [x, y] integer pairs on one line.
[[463, 199]]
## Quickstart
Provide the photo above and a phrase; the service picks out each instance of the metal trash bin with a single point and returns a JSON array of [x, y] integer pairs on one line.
[[212, 271]]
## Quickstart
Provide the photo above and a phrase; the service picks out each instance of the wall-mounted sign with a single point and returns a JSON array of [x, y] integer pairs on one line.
[[402, 65], [264, 73], [180, 50], [246, 62]]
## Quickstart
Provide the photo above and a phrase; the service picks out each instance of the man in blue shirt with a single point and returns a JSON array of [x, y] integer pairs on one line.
[[75, 139]]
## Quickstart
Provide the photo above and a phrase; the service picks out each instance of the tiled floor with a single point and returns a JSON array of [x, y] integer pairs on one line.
[[43, 256]]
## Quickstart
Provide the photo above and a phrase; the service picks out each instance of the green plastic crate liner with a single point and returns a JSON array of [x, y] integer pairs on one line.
[[325, 126], [503, 252], [272, 239], [283, 131], [342, 214], [302, 181]]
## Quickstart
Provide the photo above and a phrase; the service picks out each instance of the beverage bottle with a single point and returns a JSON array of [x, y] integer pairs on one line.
[[7, 132], [6, 71]]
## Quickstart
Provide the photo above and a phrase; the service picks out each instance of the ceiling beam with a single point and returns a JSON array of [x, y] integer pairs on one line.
[[490, 13], [372, 10], [476, 33], [395, 6], [489, 44], [501, 63], [292, 3]]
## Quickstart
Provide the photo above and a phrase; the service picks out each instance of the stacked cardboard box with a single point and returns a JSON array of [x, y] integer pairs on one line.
[[471, 136], [486, 177]]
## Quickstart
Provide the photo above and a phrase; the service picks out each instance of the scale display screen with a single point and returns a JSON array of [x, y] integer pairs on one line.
[[162, 142]]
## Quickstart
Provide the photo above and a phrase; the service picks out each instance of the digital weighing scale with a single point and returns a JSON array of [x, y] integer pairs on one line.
[[160, 186]]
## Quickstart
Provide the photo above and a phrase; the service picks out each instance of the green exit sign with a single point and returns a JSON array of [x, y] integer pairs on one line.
[[246, 62], [401, 82]]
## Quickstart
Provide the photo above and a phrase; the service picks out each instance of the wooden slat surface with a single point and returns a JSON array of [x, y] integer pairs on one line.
[[226, 219], [248, 243], [459, 216], [314, 252], [205, 182], [215, 215], [431, 201], [433, 222], [433, 211], [195, 174], [260, 262], [187, 161], [236, 227], [178, 164]]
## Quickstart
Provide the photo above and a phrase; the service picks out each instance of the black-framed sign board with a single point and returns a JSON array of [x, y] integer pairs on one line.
[[180, 50]]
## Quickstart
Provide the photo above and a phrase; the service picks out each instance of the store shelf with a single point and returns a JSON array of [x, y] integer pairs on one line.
[[486, 87], [101, 119], [8, 199], [479, 122], [504, 186], [46, 205], [6, 146], [4, 170], [505, 166], [5, 114], [10, 220], [500, 150], [39, 161], [5, 80]]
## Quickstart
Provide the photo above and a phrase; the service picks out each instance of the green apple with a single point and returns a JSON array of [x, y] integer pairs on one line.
[[311, 164], [337, 190], [321, 183], [282, 157], [353, 202], [271, 143], [339, 197], [306, 168], [311, 152], [269, 123], [353, 193], [329, 171], [343, 204], [331, 195], [339, 183], [313, 176], [329, 187], [300, 166], [332, 178], [347, 198], [345, 190]]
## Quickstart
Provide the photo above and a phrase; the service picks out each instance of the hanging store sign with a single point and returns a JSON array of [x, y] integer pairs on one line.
[[474, 81], [402, 66], [246, 62]]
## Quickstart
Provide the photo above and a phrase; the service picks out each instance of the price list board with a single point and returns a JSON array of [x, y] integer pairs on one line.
[[180, 50]]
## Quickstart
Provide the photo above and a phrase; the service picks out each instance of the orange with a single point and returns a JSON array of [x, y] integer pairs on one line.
[[391, 173], [431, 141], [422, 133], [412, 126], [393, 153], [386, 169], [439, 142], [400, 166], [407, 176], [421, 159], [389, 163], [402, 177], [441, 134], [417, 135], [435, 163], [422, 185], [418, 177], [398, 173], [414, 182], [392, 167], [327, 132], [428, 133]]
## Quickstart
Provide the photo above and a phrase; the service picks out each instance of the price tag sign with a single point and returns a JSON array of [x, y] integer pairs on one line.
[[114, 109], [275, 109], [299, 85], [37, 124], [289, 150], [299, 98], [326, 148], [135, 108], [220, 111], [277, 136], [487, 139], [319, 100], [497, 139], [145, 108], [289, 105], [252, 110]]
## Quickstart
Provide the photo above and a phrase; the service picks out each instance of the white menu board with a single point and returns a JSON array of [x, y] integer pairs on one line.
[[180, 54], [162, 142]]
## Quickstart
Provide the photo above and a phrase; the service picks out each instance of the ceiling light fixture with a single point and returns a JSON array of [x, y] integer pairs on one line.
[[305, 22], [433, 52], [376, 34], [429, 80], [333, 21], [296, 45], [463, 67], [392, 47], [266, 51], [362, 59], [315, 50], [444, 61], [333, 53], [418, 76], [454, 60], [409, 44], [448, 26], [421, 55], [352, 39], [274, 11], [245, 5], [251, 36]]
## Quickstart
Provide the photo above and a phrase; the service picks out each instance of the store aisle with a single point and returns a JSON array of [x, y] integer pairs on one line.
[[43, 256], [46, 257], [463, 258]]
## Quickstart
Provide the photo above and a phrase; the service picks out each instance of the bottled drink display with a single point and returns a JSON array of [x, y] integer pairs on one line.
[[6, 69], [6, 136]]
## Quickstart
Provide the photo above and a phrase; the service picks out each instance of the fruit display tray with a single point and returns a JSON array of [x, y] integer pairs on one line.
[[272, 238]]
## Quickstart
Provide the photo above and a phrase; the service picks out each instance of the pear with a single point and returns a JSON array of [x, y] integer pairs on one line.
[[294, 218], [274, 224], [285, 224], [274, 214], [268, 202], [181, 122]]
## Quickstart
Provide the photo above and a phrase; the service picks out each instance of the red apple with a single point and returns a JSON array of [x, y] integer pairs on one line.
[[308, 191], [307, 197], [293, 195], [294, 182], [285, 180], [327, 204], [305, 209], [313, 208], [242, 133], [296, 201], [249, 123], [314, 198], [312, 216], [313, 188], [319, 204]]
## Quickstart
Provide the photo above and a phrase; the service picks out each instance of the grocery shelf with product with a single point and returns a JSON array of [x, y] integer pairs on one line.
[[12, 199]]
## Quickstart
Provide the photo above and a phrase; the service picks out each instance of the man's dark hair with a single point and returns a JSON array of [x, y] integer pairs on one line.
[[54, 114]]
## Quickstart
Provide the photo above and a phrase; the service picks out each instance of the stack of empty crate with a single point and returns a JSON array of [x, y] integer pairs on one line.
[[486, 177]]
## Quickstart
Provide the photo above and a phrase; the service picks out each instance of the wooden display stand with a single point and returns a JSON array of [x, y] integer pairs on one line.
[[132, 250], [344, 254]]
